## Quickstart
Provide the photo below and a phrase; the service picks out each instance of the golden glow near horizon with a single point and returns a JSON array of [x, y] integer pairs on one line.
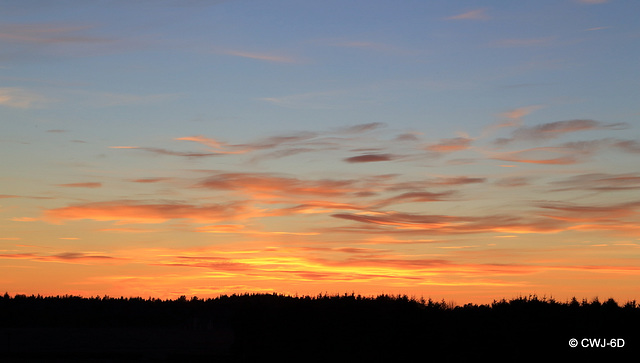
[[229, 147]]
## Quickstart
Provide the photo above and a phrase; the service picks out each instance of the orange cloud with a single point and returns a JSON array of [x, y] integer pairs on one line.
[[149, 180], [264, 183], [81, 185], [137, 212], [215, 145], [68, 257], [450, 145], [362, 265], [24, 219], [541, 155], [512, 118]]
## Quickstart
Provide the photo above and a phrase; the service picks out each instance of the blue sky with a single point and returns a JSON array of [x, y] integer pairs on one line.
[[405, 147]]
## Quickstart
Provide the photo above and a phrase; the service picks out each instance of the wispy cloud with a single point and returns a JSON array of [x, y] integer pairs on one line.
[[449, 224], [369, 158], [514, 117], [619, 218], [357, 265], [81, 185], [360, 128], [110, 99], [48, 34], [417, 197], [273, 184], [279, 146], [311, 100], [552, 130], [268, 57], [21, 98], [601, 182], [140, 212], [544, 155], [523, 42], [163, 151], [598, 28], [450, 145], [512, 182], [477, 14], [592, 2], [66, 257], [603, 212], [630, 146], [216, 146], [150, 180], [370, 46]]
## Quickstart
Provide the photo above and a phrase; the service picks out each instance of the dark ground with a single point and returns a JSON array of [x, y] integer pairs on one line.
[[261, 327]]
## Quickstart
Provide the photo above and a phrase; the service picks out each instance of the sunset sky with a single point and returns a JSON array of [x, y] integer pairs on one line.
[[458, 150]]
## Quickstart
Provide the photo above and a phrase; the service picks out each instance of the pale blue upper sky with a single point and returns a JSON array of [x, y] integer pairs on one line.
[[297, 64]]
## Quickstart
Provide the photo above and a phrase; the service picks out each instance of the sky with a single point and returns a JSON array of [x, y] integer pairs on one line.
[[458, 150]]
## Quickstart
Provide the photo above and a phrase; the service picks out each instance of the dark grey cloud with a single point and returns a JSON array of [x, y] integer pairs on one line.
[[599, 182], [368, 158], [552, 130]]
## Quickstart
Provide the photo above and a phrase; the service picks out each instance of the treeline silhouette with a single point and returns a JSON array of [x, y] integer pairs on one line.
[[250, 327]]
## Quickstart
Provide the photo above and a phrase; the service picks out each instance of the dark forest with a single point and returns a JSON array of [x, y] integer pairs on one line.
[[253, 327]]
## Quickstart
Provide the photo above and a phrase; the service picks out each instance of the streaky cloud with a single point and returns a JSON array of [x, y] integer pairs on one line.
[[592, 2], [511, 118], [606, 211], [48, 34], [162, 151], [477, 14], [275, 58], [278, 184], [67, 257], [149, 180], [522, 42], [450, 145], [447, 224], [356, 129], [541, 155], [601, 182], [16, 97], [555, 129], [127, 211], [368, 158], [417, 197], [513, 181], [630, 146], [81, 185]]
